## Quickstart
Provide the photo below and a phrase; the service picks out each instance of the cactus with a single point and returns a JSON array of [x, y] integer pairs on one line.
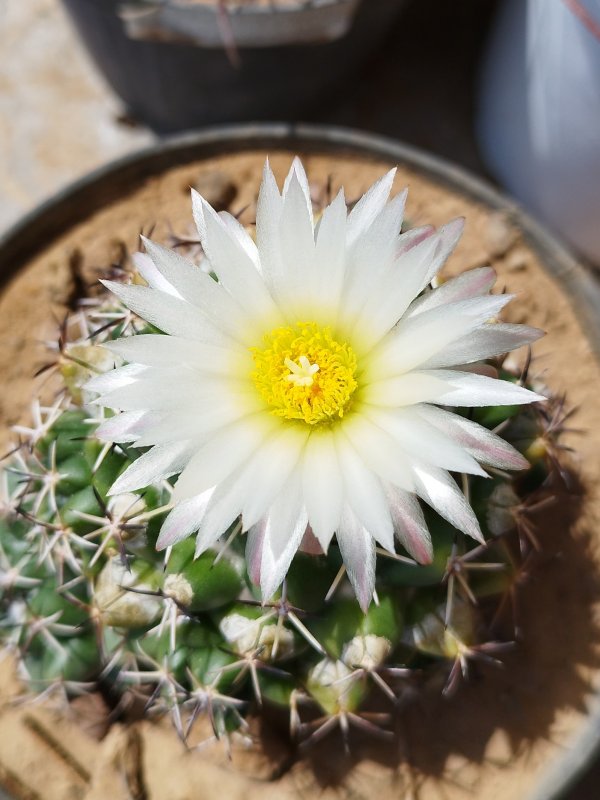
[[87, 600]]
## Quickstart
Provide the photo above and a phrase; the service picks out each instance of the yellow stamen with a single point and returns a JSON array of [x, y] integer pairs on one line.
[[303, 373]]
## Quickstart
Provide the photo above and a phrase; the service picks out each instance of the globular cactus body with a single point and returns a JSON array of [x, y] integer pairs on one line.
[[87, 600]]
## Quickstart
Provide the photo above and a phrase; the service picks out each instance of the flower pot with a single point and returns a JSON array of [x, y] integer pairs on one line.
[[539, 111], [518, 733], [247, 25], [177, 72]]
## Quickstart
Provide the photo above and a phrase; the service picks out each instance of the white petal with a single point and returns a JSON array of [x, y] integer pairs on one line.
[[440, 491], [157, 464], [269, 469], [298, 173], [223, 508], [285, 526], [416, 268], [147, 269], [183, 520], [122, 427], [418, 338], [405, 390], [489, 340], [231, 263], [364, 493], [242, 236], [223, 453], [480, 442], [472, 283], [409, 523], [167, 313], [358, 553], [297, 250], [180, 388], [418, 440], [380, 452], [323, 487], [467, 389], [268, 215], [330, 252], [390, 299], [115, 379], [157, 350], [370, 258], [202, 291], [369, 206], [199, 422]]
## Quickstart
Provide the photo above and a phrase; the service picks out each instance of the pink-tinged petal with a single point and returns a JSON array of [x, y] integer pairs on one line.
[[157, 464], [310, 544], [286, 523], [438, 489], [472, 283], [183, 520], [412, 237], [409, 523], [490, 340], [254, 547], [480, 442], [358, 553]]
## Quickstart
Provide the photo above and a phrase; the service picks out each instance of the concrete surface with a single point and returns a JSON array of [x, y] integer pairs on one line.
[[57, 118]]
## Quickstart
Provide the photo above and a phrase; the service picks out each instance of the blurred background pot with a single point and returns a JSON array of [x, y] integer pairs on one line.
[[539, 121], [180, 65], [211, 23]]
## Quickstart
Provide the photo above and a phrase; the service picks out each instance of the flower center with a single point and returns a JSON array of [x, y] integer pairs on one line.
[[303, 373]]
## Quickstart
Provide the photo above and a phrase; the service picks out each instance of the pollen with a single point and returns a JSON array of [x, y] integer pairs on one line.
[[303, 373]]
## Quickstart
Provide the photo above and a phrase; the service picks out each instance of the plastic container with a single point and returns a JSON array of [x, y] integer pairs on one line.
[[539, 118]]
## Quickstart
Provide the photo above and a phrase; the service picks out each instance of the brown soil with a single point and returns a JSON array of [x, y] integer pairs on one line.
[[494, 739]]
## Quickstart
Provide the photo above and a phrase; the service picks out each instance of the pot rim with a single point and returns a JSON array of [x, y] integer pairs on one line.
[[75, 202]]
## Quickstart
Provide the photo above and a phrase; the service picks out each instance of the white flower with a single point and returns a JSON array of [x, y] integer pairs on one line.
[[304, 386]]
